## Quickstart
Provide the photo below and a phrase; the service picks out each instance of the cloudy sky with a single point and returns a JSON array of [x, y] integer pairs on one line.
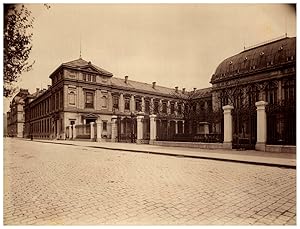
[[172, 44]]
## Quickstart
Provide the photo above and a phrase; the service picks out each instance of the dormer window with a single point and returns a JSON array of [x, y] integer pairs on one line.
[[262, 53], [280, 48], [230, 62], [246, 58]]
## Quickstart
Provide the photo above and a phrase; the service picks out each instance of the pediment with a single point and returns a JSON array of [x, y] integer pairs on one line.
[[90, 69]]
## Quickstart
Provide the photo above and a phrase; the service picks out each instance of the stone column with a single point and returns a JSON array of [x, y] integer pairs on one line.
[[151, 106], [227, 127], [132, 104], [99, 130], [92, 134], [114, 130], [139, 127], [121, 103], [261, 126], [168, 107], [206, 128], [183, 126], [143, 104], [176, 127], [176, 108], [70, 132], [74, 131], [84, 127], [160, 106], [152, 129]]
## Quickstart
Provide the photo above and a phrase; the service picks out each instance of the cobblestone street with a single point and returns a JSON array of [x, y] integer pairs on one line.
[[49, 184]]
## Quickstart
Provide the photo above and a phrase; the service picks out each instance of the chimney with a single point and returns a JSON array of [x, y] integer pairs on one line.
[[89, 63], [183, 90], [153, 84], [195, 89], [37, 89], [126, 79], [176, 89], [49, 86]]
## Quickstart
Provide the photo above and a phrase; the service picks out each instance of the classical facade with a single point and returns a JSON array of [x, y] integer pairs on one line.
[[260, 77], [251, 104], [82, 93], [16, 115]]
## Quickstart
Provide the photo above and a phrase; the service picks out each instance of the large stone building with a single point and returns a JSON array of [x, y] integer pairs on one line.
[[251, 103], [16, 115], [265, 73], [82, 93]]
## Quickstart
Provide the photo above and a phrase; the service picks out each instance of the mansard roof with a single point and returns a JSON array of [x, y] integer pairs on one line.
[[257, 58], [201, 93], [135, 85]]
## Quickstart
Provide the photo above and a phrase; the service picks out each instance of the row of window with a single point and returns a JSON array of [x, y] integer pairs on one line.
[[54, 102], [41, 126], [271, 94], [89, 77], [243, 66]]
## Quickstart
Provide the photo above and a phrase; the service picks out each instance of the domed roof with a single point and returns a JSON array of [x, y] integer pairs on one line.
[[257, 58]]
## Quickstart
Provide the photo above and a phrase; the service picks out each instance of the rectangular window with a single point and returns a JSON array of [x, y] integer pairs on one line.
[[84, 77], [179, 108], [89, 77], [172, 108], [104, 126], [138, 105], [147, 106], [116, 102], [89, 100], [156, 107], [164, 108], [94, 78], [127, 104]]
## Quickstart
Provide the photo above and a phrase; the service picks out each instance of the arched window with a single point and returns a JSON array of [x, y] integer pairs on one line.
[[271, 93], [72, 98], [289, 88], [104, 101]]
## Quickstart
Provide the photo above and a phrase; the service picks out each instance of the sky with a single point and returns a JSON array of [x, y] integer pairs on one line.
[[172, 44]]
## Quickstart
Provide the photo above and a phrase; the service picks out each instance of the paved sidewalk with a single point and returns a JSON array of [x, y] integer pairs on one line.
[[287, 160]]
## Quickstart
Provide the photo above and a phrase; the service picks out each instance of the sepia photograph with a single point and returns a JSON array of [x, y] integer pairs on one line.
[[137, 114]]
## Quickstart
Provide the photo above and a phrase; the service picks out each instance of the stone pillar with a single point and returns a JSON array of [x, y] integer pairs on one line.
[[152, 129], [139, 127], [261, 126], [70, 132], [176, 108], [99, 130], [121, 103], [227, 127], [143, 104], [160, 106], [176, 127], [74, 131], [279, 98], [132, 104], [168, 107], [206, 128], [114, 130], [58, 128], [84, 127], [151, 106], [183, 126], [92, 134]]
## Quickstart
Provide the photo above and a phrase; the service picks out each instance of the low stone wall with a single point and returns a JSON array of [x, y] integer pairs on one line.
[[200, 145], [281, 148]]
